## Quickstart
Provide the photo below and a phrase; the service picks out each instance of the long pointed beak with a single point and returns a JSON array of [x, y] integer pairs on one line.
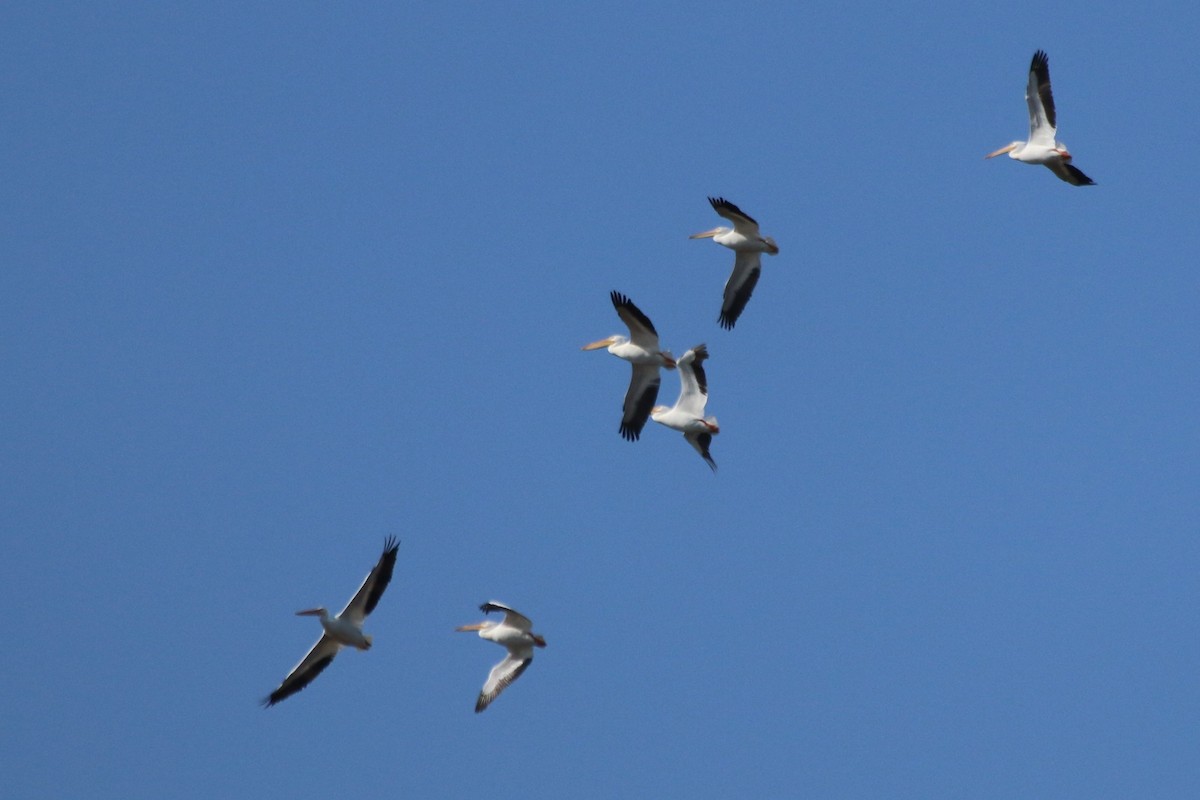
[[706, 234], [1006, 149], [475, 626], [667, 359], [310, 612], [599, 344]]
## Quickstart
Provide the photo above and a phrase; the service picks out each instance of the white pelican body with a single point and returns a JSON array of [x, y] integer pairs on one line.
[[1042, 147], [513, 634], [642, 350], [744, 240], [344, 630], [687, 415]]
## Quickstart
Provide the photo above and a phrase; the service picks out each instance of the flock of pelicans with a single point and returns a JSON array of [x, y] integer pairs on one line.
[[641, 348], [345, 630]]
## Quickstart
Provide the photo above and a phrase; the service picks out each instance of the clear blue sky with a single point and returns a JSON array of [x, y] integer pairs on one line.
[[281, 281]]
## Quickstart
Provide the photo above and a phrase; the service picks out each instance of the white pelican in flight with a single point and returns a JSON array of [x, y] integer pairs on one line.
[[687, 415], [1042, 148], [642, 350], [344, 630], [513, 634], [745, 240]]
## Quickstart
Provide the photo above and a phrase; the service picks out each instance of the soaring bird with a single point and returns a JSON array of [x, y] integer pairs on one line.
[[513, 633], [641, 349], [687, 415], [744, 240], [1042, 147], [344, 630]]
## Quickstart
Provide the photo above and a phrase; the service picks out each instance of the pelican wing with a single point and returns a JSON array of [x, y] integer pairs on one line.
[[1069, 173], [512, 617], [367, 596], [747, 268], [318, 658], [503, 674], [702, 441], [743, 223], [1042, 121], [693, 383], [639, 400], [641, 330]]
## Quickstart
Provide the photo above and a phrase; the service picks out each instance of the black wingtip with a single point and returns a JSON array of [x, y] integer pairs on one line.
[[719, 203], [1080, 178], [727, 322], [630, 434], [1073, 175]]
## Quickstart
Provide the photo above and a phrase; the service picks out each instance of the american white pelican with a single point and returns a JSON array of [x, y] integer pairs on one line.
[[344, 630], [745, 240], [642, 350], [687, 415], [514, 634], [1042, 148]]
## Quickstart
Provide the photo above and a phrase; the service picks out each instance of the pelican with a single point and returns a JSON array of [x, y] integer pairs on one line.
[[642, 350], [1042, 148], [514, 634], [745, 240], [344, 630], [687, 415]]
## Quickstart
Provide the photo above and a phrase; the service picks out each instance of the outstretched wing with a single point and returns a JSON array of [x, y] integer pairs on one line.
[[1042, 119], [1069, 173], [641, 329], [367, 596], [318, 658], [747, 268], [693, 382], [702, 441], [639, 400], [511, 616], [502, 675], [743, 223]]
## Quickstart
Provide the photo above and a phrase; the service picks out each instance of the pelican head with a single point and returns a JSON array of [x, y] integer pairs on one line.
[[538, 640], [609, 342], [1006, 149], [709, 234], [711, 424], [1062, 151], [475, 626], [319, 611], [772, 248], [668, 360]]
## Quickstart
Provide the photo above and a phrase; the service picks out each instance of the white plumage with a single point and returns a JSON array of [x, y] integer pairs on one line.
[[515, 635]]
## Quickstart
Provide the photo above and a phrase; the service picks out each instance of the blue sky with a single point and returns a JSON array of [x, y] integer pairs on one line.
[[281, 282]]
